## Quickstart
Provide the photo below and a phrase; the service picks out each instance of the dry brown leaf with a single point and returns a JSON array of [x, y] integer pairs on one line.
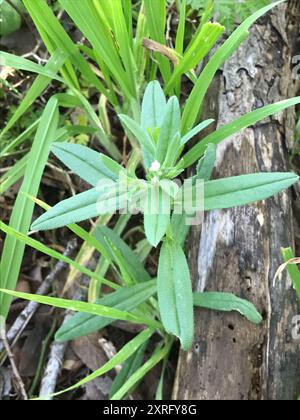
[[89, 351], [151, 45]]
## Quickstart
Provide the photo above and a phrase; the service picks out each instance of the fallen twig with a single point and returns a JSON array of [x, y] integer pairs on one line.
[[53, 368], [17, 378], [56, 357]]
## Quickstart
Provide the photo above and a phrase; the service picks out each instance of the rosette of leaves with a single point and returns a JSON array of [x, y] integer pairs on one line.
[[159, 135]]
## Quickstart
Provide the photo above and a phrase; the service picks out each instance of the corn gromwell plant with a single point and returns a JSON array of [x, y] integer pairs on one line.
[[144, 90], [157, 195]]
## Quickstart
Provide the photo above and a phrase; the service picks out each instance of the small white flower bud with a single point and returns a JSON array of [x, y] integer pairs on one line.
[[155, 166]]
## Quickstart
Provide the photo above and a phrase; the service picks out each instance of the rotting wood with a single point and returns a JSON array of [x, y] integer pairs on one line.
[[239, 249]]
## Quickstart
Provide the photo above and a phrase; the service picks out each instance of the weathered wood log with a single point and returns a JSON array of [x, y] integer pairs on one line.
[[239, 250]]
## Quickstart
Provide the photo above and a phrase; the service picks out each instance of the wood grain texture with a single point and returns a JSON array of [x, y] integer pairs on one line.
[[238, 250]]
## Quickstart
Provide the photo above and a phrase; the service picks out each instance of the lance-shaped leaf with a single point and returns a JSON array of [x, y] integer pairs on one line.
[[227, 302], [85, 162], [105, 199], [156, 214], [239, 190], [179, 225], [142, 137], [169, 128], [124, 299], [173, 152], [153, 106], [175, 297], [206, 165]]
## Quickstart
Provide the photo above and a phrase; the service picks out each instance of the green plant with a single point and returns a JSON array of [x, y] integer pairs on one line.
[[124, 66], [10, 12], [158, 130], [159, 136], [229, 12]]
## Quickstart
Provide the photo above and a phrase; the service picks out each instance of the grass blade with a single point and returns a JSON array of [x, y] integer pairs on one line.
[[198, 50], [88, 308], [27, 240], [181, 28], [129, 368], [21, 63], [193, 104], [54, 64], [124, 41], [124, 299], [16, 172], [159, 354], [196, 130], [156, 21], [233, 127], [111, 241], [55, 37], [13, 249], [87, 19], [128, 350], [19, 139], [13, 174]]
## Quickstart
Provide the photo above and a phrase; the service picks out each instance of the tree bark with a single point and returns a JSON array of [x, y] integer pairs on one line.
[[238, 250]]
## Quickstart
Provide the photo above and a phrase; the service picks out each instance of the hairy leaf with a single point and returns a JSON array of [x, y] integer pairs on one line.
[[124, 299], [227, 302], [175, 297]]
